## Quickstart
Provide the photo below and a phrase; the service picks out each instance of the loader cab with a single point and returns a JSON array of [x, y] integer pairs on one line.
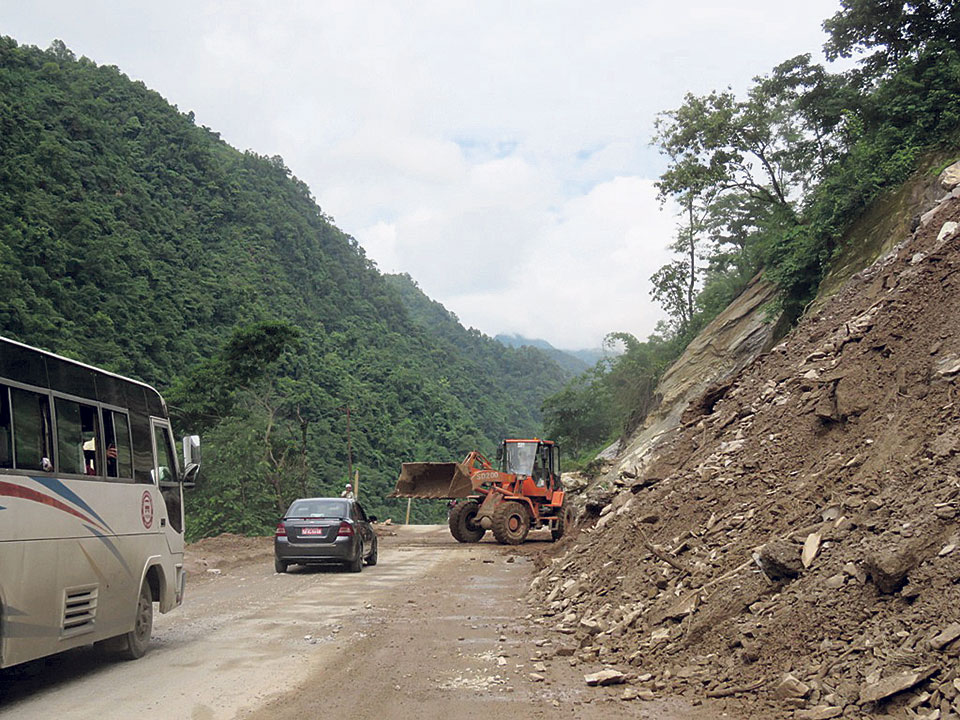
[[537, 460], [517, 457]]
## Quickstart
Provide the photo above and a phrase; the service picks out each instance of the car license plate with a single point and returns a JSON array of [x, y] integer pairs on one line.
[[312, 531]]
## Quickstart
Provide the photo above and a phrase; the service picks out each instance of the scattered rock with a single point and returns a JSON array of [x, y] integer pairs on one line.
[[888, 568], [592, 627], [819, 712], [683, 607], [950, 177], [894, 684], [811, 547], [946, 231], [835, 582], [946, 636], [608, 676], [791, 687], [948, 366], [779, 560]]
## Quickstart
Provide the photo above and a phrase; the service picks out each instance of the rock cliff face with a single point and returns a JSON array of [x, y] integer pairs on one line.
[[728, 344], [795, 541], [746, 329]]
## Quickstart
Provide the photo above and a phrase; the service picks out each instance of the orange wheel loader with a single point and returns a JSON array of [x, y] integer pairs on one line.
[[523, 494]]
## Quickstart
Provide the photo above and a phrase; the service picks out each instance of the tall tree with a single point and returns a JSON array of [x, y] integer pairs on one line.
[[887, 32]]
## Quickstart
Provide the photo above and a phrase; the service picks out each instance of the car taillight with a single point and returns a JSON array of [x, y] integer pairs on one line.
[[346, 529], [281, 530]]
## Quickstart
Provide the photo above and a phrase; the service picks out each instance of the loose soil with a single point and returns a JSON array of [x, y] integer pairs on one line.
[[803, 521]]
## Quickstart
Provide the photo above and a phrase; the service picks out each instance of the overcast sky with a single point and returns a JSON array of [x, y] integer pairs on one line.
[[497, 151]]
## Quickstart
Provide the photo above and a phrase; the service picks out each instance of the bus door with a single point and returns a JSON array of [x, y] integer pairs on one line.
[[167, 477]]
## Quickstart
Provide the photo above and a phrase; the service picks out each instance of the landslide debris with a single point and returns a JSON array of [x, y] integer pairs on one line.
[[796, 544]]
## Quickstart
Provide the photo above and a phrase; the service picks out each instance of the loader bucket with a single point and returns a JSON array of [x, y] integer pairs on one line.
[[439, 480]]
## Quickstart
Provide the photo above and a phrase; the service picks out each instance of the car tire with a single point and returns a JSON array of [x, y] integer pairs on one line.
[[133, 645], [462, 525], [356, 565], [279, 565], [372, 558]]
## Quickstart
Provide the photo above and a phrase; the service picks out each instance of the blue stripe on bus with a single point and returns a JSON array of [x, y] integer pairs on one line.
[[54, 485], [110, 546]]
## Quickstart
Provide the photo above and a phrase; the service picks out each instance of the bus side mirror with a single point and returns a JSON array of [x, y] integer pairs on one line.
[[191, 459]]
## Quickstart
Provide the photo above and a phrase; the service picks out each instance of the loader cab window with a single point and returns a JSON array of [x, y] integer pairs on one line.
[[518, 458], [539, 471], [544, 467]]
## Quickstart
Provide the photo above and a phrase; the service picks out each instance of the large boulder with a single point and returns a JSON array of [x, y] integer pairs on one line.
[[780, 560], [950, 177], [888, 567]]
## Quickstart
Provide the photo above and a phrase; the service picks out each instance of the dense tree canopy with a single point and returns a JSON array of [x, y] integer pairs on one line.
[[132, 239]]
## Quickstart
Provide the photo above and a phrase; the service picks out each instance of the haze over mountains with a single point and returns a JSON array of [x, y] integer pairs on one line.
[[574, 360]]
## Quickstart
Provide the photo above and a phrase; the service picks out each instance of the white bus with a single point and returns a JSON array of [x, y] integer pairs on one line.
[[91, 507]]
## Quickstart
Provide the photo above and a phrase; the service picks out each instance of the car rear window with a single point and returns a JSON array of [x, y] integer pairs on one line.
[[318, 508]]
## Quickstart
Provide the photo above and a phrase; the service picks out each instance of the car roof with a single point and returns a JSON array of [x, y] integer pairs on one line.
[[308, 499]]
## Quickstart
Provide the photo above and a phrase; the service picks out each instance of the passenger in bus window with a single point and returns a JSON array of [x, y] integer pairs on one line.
[[111, 460], [90, 457]]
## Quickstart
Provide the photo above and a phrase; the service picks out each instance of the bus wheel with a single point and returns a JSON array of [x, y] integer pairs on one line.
[[133, 645]]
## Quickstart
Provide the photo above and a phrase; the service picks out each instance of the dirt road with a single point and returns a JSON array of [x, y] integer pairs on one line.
[[436, 628]]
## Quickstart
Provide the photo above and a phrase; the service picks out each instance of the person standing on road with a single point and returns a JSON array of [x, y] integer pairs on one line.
[[347, 492]]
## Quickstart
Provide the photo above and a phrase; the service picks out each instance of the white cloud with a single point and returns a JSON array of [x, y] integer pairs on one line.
[[497, 151]]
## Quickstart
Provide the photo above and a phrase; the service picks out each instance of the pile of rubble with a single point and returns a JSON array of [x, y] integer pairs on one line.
[[796, 545]]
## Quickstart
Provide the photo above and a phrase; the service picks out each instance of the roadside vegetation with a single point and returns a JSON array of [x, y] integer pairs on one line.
[[770, 182]]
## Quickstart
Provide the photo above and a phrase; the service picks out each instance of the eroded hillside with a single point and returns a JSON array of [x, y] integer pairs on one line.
[[795, 543]]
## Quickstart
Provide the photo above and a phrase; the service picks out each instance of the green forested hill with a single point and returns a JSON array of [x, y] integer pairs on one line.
[[508, 383], [132, 239]]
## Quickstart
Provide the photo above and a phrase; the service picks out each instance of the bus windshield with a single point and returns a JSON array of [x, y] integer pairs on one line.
[[518, 457]]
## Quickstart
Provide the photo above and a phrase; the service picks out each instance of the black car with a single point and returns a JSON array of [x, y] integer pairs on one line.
[[325, 530]]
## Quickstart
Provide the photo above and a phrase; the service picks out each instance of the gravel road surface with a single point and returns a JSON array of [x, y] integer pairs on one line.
[[436, 628]]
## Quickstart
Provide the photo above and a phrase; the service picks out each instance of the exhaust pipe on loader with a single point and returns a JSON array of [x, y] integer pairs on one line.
[[435, 480]]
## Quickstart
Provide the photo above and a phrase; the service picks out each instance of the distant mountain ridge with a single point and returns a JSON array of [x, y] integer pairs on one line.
[[574, 360]]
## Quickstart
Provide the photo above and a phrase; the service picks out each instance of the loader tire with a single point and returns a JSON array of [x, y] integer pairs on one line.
[[462, 525], [511, 523], [564, 521]]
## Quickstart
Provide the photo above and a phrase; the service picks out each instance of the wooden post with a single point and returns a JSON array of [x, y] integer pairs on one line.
[[349, 448], [407, 521], [356, 484]]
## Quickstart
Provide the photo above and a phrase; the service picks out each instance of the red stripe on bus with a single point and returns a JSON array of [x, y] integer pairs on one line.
[[24, 493]]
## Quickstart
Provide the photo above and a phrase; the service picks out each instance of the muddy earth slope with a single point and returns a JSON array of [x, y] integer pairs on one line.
[[795, 546]]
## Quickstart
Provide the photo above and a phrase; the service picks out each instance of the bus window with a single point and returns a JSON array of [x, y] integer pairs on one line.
[[116, 431], [78, 438], [6, 431], [33, 436], [166, 464]]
